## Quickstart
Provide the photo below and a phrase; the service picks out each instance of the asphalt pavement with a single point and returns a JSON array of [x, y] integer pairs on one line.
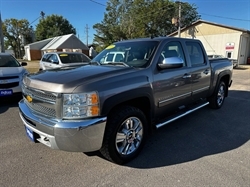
[[206, 148]]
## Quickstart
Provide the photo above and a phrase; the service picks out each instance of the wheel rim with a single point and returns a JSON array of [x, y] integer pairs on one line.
[[129, 136], [221, 95]]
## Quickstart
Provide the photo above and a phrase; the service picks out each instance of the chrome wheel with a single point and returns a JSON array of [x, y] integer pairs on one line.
[[129, 136], [221, 95], [125, 135]]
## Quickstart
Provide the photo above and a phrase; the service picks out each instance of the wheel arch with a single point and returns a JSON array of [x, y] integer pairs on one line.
[[224, 76], [141, 100]]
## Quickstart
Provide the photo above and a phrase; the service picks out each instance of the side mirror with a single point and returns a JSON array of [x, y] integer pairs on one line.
[[23, 63], [171, 62]]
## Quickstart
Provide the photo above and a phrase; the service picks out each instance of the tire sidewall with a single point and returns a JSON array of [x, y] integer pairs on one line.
[[217, 92], [116, 124]]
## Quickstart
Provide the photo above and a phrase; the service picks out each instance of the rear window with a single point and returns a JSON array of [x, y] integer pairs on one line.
[[73, 58]]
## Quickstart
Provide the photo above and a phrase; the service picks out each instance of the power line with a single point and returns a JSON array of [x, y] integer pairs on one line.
[[98, 3], [247, 20], [226, 17]]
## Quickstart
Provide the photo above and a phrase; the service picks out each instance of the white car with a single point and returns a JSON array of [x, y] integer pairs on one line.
[[11, 75], [60, 59]]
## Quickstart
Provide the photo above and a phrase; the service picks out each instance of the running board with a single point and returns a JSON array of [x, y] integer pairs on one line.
[[181, 115]]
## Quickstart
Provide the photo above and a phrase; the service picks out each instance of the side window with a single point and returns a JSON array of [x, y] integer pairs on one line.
[[195, 53], [44, 58], [173, 49], [53, 59]]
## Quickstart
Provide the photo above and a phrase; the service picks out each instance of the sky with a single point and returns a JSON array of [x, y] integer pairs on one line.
[[84, 14]]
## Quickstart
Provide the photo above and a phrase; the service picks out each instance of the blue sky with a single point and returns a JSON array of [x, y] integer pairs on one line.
[[81, 13]]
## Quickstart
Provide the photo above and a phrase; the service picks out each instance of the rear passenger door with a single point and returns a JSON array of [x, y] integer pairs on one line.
[[200, 70]]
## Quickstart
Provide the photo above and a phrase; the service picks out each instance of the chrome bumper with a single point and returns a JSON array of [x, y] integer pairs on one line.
[[68, 135]]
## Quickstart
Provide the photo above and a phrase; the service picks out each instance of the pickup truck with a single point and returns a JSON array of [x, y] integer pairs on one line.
[[113, 107]]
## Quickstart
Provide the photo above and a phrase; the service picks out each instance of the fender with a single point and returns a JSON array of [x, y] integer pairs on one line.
[[218, 79], [127, 96]]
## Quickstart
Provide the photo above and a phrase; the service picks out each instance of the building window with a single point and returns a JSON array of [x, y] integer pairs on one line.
[[229, 54]]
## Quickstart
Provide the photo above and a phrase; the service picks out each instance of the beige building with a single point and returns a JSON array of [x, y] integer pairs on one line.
[[218, 39], [69, 42]]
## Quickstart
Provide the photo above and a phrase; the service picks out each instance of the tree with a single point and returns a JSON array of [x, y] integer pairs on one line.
[[111, 28], [53, 26], [125, 19], [17, 33]]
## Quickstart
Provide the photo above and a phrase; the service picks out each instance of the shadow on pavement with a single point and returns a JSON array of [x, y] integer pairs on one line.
[[202, 133], [6, 103]]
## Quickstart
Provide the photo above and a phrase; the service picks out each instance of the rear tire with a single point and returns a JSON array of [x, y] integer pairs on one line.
[[125, 134], [217, 99]]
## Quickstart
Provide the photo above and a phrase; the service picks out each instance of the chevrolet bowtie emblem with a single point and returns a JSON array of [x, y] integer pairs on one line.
[[29, 99]]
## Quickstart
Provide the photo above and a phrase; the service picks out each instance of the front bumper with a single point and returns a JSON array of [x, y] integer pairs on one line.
[[68, 135]]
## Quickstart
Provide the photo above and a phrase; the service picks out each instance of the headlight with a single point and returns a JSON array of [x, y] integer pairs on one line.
[[80, 105]]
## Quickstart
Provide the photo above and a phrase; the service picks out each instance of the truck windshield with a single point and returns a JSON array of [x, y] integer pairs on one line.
[[135, 54], [8, 61]]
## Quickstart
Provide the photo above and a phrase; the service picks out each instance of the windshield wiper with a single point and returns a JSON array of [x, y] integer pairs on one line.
[[117, 63]]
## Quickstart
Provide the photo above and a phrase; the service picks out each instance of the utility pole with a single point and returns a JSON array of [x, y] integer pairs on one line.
[[87, 34], [179, 20], [2, 50]]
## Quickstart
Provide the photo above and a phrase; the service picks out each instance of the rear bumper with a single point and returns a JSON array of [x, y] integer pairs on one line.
[[73, 136]]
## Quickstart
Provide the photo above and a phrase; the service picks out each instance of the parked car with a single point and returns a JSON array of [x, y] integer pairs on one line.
[[112, 107], [11, 75], [59, 59]]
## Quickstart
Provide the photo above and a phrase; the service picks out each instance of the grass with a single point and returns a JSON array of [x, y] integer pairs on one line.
[[32, 70], [32, 66]]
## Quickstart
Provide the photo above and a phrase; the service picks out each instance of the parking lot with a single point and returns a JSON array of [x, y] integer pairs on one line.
[[207, 148]]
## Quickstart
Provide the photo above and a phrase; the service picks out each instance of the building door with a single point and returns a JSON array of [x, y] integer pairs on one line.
[[242, 57]]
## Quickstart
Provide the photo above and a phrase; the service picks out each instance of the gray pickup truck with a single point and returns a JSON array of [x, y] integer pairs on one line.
[[112, 106]]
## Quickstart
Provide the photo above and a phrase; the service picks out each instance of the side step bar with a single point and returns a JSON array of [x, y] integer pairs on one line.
[[175, 117]]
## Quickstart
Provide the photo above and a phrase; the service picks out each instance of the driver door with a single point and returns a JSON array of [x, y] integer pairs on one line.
[[172, 87]]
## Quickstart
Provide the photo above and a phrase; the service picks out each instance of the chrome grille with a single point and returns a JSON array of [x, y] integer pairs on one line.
[[39, 101], [45, 111], [40, 95]]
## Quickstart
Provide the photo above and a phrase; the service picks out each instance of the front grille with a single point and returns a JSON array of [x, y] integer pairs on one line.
[[9, 85], [10, 77], [41, 102], [45, 111], [40, 95]]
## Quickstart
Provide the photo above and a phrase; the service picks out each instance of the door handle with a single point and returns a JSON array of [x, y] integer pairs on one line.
[[185, 76]]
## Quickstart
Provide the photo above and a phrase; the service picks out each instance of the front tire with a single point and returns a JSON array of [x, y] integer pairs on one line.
[[125, 134], [217, 99]]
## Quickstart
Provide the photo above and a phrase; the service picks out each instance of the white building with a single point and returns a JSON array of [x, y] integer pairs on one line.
[[218, 39], [69, 42]]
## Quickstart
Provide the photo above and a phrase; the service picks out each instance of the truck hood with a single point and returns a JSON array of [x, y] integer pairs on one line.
[[66, 79]]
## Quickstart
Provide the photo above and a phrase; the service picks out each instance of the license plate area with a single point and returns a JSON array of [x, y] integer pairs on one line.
[[31, 135], [6, 92]]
